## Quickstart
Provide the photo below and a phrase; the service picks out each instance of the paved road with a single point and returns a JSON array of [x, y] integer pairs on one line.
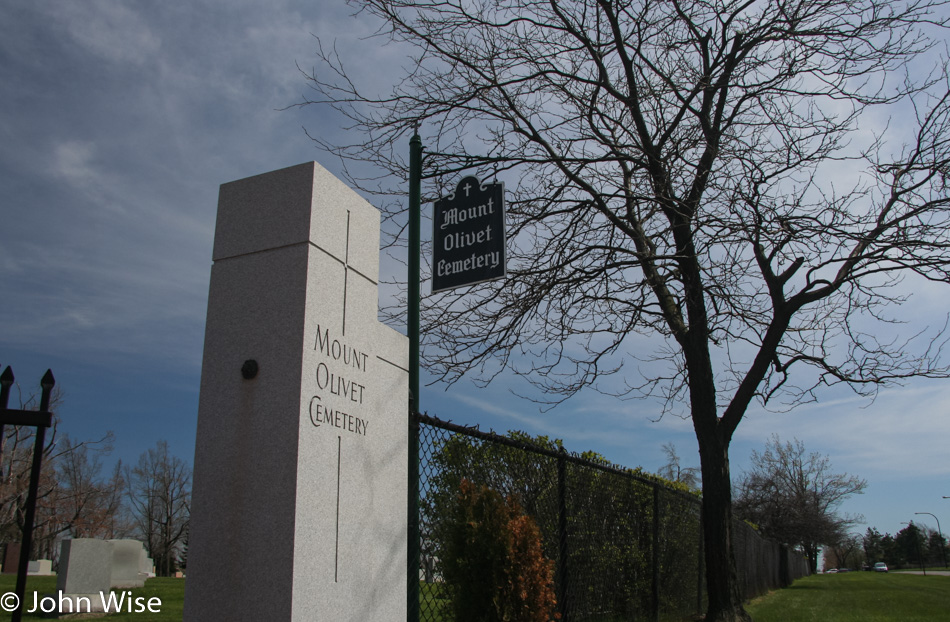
[[941, 573]]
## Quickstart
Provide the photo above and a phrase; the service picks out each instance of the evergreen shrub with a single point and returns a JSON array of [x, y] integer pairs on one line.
[[493, 561]]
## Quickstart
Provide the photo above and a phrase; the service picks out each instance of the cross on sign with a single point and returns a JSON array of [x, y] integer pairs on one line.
[[344, 369], [346, 270]]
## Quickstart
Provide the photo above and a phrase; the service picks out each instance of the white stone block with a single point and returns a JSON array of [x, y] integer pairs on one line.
[[300, 473], [40, 567], [146, 565], [85, 566], [127, 558]]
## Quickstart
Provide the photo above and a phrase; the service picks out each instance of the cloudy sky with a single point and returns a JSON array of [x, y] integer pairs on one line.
[[118, 122]]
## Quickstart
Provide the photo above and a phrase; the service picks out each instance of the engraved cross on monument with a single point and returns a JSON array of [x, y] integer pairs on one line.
[[300, 476]]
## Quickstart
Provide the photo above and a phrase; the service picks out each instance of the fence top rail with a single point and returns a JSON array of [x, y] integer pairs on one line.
[[561, 454]]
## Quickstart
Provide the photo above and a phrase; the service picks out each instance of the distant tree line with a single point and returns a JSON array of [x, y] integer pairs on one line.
[[913, 546], [793, 496], [79, 497], [789, 495]]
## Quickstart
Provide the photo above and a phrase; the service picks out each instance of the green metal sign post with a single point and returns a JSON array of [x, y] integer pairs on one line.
[[414, 277]]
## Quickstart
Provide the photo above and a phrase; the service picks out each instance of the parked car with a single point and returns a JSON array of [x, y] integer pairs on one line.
[[880, 567], [831, 571]]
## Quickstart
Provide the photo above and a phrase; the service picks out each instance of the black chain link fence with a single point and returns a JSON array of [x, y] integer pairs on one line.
[[624, 546]]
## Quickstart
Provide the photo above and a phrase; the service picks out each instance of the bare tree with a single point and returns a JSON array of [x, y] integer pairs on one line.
[[16, 459], [71, 496], [793, 497], [674, 471], [845, 553], [677, 171], [77, 501], [159, 488], [88, 505]]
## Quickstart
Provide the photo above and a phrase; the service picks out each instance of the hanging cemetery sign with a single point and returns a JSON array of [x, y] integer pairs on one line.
[[468, 239]]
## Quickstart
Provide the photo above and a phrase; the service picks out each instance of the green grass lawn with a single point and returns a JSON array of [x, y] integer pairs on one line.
[[857, 597], [852, 597]]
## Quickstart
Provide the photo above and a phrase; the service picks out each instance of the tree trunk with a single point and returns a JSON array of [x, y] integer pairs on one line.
[[811, 551], [713, 435], [722, 580]]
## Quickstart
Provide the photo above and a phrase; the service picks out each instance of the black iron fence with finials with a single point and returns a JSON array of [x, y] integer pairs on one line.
[[40, 419]]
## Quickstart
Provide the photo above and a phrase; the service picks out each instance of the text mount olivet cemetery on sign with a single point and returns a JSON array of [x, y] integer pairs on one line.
[[468, 240]]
